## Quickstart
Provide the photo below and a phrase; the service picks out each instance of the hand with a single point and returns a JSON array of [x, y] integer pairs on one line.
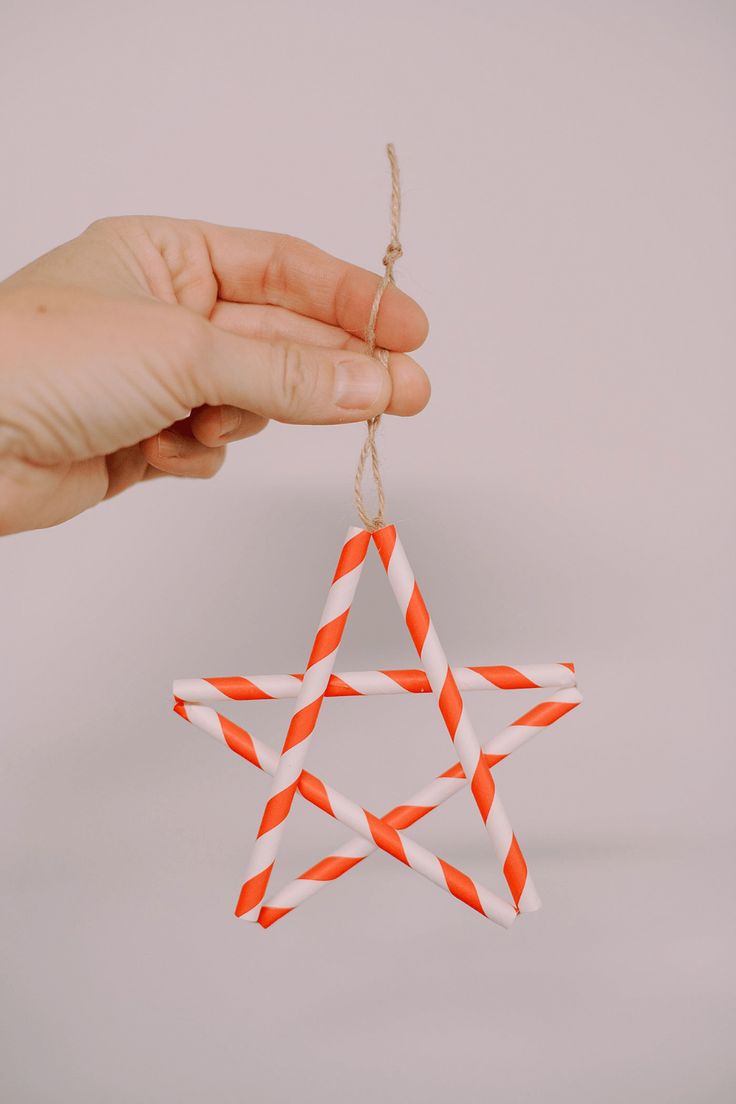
[[145, 345]]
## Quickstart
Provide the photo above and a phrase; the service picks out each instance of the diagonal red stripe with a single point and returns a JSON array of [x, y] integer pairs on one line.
[[386, 837], [404, 815], [417, 619], [353, 554], [450, 703], [414, 681], [514, 870], [505, 678], [456, 771], [483, 788], [277, 809], [268, 916], [252, 892], [239, 688], [301, 725], [240, 741], [328, 638], [491, 760], [314, 790], [332, 867], [338, 688], [461, 886], [546, 713]]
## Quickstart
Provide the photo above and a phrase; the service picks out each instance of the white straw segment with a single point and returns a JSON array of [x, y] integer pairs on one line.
[[456, 718], [528, 676], [306, 710]]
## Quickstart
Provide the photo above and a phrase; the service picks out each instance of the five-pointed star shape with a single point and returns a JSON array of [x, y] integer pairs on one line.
[[386, 833]]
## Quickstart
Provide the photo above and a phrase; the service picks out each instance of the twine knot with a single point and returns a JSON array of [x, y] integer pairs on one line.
[[370, 449], [392, 254]]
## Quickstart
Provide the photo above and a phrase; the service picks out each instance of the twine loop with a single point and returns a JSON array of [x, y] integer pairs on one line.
[[369, 450]]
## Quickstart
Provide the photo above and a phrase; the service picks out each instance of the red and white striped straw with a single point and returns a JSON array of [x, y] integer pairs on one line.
[[370, 827], [306, 710], [443, 787], [528, 676], [456, 718]]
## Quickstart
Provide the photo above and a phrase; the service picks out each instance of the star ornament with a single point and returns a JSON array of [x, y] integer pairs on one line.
[[386, 833]]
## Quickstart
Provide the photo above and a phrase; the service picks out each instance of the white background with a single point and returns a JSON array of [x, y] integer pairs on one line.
[[569, 175]]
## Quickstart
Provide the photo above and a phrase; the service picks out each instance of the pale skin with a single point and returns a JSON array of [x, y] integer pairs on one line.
[[146, 345]]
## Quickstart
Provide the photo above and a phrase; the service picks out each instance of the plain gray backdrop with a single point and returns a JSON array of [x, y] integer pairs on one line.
[[569, 177]]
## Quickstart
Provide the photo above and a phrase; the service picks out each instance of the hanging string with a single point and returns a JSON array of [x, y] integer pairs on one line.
[[370, 448]]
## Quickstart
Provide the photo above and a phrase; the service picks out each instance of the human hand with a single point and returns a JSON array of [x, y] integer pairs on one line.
[[147, 344]]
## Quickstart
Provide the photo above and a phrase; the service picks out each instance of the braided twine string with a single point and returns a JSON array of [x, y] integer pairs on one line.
[[369, 451]]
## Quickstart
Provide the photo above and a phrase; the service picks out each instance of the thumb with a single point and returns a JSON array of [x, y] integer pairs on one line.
[[290, 382]]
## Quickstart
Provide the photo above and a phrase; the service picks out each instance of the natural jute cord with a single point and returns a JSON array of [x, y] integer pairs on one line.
[[370, 449]]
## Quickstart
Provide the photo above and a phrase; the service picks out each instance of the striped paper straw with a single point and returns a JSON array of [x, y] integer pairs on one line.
[[370, 827], [443, 787], [456, 718], [530, 676], [306, 710]]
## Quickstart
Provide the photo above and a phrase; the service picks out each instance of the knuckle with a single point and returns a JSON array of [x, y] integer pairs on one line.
[[109, 224], [117, 228], [275, 279], [296, 382], [98, 224], [183, 246]]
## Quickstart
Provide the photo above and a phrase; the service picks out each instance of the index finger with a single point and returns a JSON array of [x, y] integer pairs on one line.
[[255, 266]]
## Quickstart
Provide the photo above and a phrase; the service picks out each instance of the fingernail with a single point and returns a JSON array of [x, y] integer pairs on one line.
[[358, 383], [169, 444], [230, 419]]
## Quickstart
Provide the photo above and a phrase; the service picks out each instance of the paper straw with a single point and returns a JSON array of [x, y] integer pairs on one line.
[[456, 718], [306, 710], [370, 827], [351, 683], [443, 787]]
